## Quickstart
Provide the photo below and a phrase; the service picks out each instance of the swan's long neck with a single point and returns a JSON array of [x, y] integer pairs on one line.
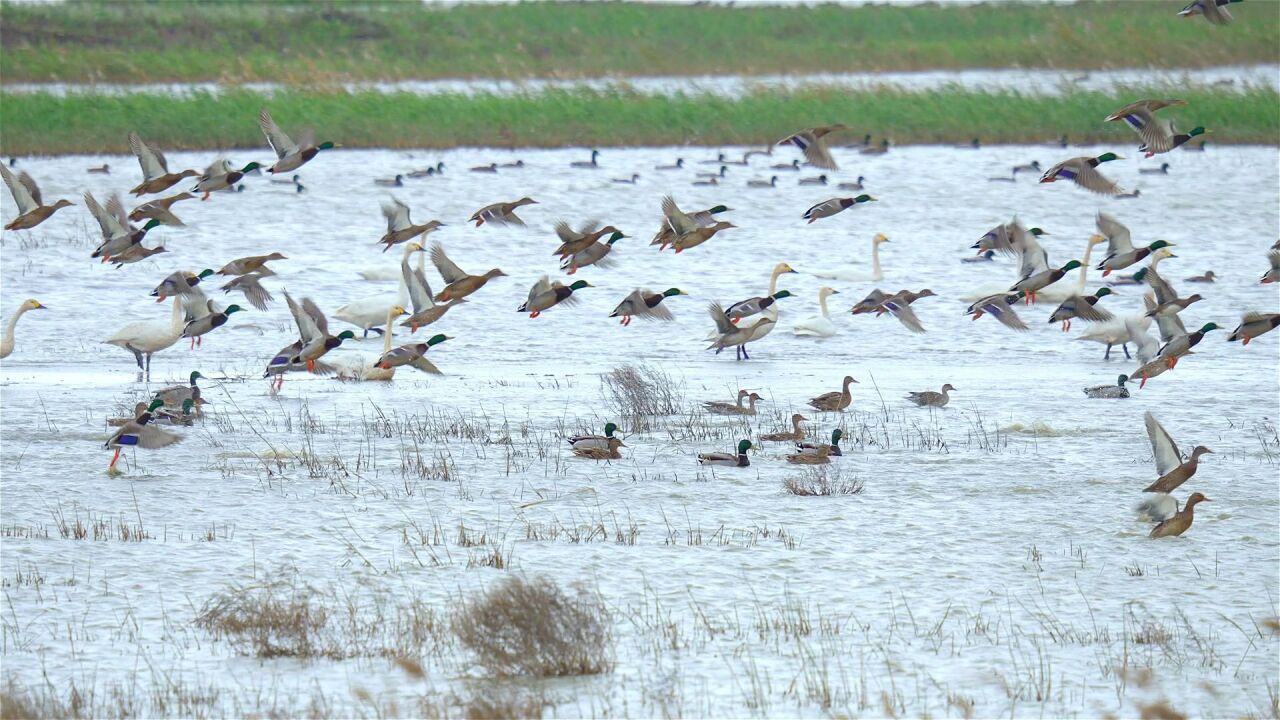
[[822, 301], [1084, 268], [403, 297], [13, 323], [876, 274], [1155, 260], [773, 281], [176, 320], [386, 336]]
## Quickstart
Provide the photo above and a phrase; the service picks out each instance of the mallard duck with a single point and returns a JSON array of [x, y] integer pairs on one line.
[[999, 307], [772, 182], [1083, 172], [490, 168], [251, 264], [1120, 251], [1173, 471], [138, 433], [609, 452], [546, 294], [290, 155], [413, 355], [313, 331], [250, 286], [1033, 281], [595, 254], [1175, 525], [397, 181], [1083, 307], [795, 434], [627, 181], [26, 195], [374, 371], [514, 164], [899, 305], [727, 459], [755, 305], [1158, 135], [929, 398], [138, 410], [159, 209], [1031, 167], [1251, 326], [135, 254], [819, 325], [1272, 275], [458, 284], [173, 395], [1208, 277], [1181, 345], [1009, 238], [793, 165], [501, 213], [1116, 391], [686, 231], [118, 234], [155, 169], [103, 169], [716, 407], [720, 160], [868, 304], [1215, 11], [146, 337], [880, 149], [400, 228], [834, 401], [646, 305], [220, 176], [213, 319], [1175, 306], [819, 180], [7, 340], [718, 175], [591, 164], [679, 165], [319, 342], [809, 448], [857, 275], [425, 309], [729, 335], [582, 442], [573, 242], [818, 457], [856, 185], [810, 142], [1162, 170], [184, 415], [827, 208], [985, 256], [292, 180], [706, 182]]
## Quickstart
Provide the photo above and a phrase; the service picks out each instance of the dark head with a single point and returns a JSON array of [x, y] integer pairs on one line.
[[1209, 326], [232, 309], [436, 340], [1159, 244], [1122, 380], [1071, 265], [150, 225], [1103, 292], [578, 285], [672, 292], [1200, 450], [1195, 499], [861, 179], [345, 335], [1197, 131], [782, 294], [1141, 274], [399, 179], [835, 436], [615, 237], [925, 293], [989, 254], [1164, 167], [864, 198], [1108, 157], [1195, 297], [743, 446], [594, 154], [610, 429], [327, 145], [948, 388], [718, 209], [195, 375], [188, 406], [849, 379], [204, 274], [1037, 232], [251, 167], [63, 203], [155, 405], [1209, 274]]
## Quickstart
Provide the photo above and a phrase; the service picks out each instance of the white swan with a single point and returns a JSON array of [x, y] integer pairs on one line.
[[820, 325], [364, 368], [371, 311], [6, 342], [850, 273], [147, 337]]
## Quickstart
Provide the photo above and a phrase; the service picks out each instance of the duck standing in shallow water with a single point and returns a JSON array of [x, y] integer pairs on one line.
[[727, 459], [138, 433], [834, 401], [608, 452], [929, 398]]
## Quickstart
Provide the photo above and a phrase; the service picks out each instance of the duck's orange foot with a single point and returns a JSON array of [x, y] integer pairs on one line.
[[572, 270], [206, 197], [311, 366], [734, 320], [161, 299], [1246, 340], [1143, 383], [977, 315], [1106, 272], [114, 458], [534, 314]]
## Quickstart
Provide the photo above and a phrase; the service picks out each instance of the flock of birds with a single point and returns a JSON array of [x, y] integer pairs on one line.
[[194, 315]]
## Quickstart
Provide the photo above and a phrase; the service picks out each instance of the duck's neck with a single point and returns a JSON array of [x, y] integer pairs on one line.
[[13, 323], [1084, 269], [822, 302], [795, 425], [876, 274]]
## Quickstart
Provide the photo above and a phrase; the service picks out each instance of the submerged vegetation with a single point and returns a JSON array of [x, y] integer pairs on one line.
[[44, 123], [310, 42]]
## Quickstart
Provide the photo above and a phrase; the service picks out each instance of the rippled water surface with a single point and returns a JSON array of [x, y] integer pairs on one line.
[[991, 560]]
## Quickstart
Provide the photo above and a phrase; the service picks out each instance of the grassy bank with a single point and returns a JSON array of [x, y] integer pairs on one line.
[[48, 124], [307, 42]]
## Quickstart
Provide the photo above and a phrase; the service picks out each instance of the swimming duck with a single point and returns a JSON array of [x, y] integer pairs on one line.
[[1083, 172], [516, 164], [810, 142], [250, 286], [160, 209], [1031, 167], [1208, 277], [820, 325], [290, 155], [771, 183], [1251, 326], [729, 335], [627, 181], [199, 327], [706, 182], [809, 448], [687, 232], [645, 304], [1173, 471], [251, 264], [546, 294], [501, 213], [7, 340], [103, 169], [818, 457], [591, 164], [827, 208], [727, 459], [1175, 525], [1116, 391], [174, 395], [880, 149], [856, 185], [397, 181], [138, 433], [1000, 307], [608, 452], [719, 175], [717, 407], [1162, 170], [582, 442], [1083, 307], [26, 195], [184, 416], [834, 401], [458, 284], [400, 228], [414, 355], [929, 398], [983, 257], [793, 165], [155, 169], [795, 434], [490, 168], [819, 180], [1215, 11], [666, 235], [679, 165]]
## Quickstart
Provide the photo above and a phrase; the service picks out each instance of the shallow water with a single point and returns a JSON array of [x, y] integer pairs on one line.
[[991, 558]]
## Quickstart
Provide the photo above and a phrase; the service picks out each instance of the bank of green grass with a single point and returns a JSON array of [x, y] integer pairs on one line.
[[307, 42], [48, 124]]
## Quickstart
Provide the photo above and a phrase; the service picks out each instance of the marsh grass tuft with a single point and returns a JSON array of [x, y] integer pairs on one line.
[[820, 480], [637, 394], [274, 619]]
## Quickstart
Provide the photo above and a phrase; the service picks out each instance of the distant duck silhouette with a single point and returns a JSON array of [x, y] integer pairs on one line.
[[820, 180], [1031, 167], [516, 164], [707, 181], [679, 165], [628, 181], [720, 160], [1162, 170], [281, 181], [988, 256], [723, 169], [858, 185], [772, 182], [588, 165], [793, 165], [490, 168], [397, 181], [103, 169]]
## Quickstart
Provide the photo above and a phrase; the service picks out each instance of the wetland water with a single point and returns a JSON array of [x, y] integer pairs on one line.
[[992, 559]]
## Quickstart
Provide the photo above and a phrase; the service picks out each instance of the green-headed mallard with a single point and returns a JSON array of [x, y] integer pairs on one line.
[[160, 209], [251, 264], [645, 304], [1116, 391], [809, 448], [727, 459], [827, 208], [609, 452], [593, 441], [118, 234], [221, 175], [26, 195], [155, 170], [1215, 11], [834, 401], [772, 182], [458, 284], [729, 335], [207, 323], [1083, 171], [1162, 170], [1181, 345], [1251, 326], [760, 304], [313, 341], [688, 233], [1173, 471], [400, 228], [397, 181], [810, 142], [290, 155], [546, 294], [1120, 251], [1158, 134], [1000, 307], [425, 309], [594, 254], [795, 434], [575, 241], [929, 398], [413, 355], [184, 415], [1010, 238], [501, 213], [1083, 307], [717, 407], [819, 457], [1034, 281], [7, 340], [250, 286], [881, 149], [173, 395], [138, 433]]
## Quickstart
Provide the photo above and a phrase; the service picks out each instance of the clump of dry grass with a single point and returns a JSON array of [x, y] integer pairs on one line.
[[532, 627], [635, 394], [821, 481], [274, 619]]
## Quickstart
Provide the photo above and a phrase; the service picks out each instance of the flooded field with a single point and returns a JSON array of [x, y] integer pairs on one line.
[[978, 560]]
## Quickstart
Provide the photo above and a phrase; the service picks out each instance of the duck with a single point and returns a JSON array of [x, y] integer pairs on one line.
[[727, 459], [881, 149], [857, 185], [501, 213], [138, 410], [103, 169], [729, 335], [26, 195], [855, 274], [251, 264], [1000, 307], [425, 309], [511, 165], [316, 340], [818, 457], [706, 182], [397, 181], [609, 452], [174, 395], [627, 181], [1214, 11], [718, 175], [810, 142], [145, 338], [250, 286], [377, 370], [717, 407], [1162, 170], [591, 164], [1033, 281], [368, 313], [1273, 274], [1083, 307], [832, 450], [293, 180], [458, 284], [1181, 346], [1120, 251], [582, 442], [546, 294], [490, 168], [597, 253], [1084, 173], [985, 256], [181, 282], [429, 171], [793, 165], [720, 160], [1009, 238], [1156, 257], [138, 433], [290, 155], [575, 241], [703, 218], [197, 328], [156, 177], [135, 254], [1207, 277], [645, 304], [688, 233], [1175, 525], [7, 340], [1111, 392], [1251, 326], [1173, 470], [1158, 134], [899, 305], [311, 324], [160, 209], [184, 416], [929, 398], [414, 355], [771, 183], [678, 165], [819, 325], [834, 401], [221, 176], [754, 305], [827, 208], [1175, 306], [400, 228], [795, 434], [1031, 167], [870, 303], [118, 234]]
